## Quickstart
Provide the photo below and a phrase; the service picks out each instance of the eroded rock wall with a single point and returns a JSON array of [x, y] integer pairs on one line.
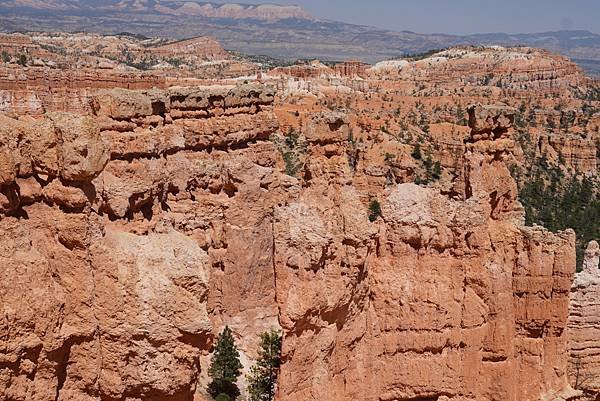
[[441, 298], [36, 90], [584, 326], [129, 238], [132, 235]]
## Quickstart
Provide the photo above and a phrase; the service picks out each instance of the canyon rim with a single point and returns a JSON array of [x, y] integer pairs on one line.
[[423, 228]]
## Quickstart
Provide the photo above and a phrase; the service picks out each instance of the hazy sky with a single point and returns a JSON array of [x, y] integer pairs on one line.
[[457, 16]]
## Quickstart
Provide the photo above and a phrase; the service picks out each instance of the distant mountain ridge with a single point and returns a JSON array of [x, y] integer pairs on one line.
[[267, 12], [280, 31]]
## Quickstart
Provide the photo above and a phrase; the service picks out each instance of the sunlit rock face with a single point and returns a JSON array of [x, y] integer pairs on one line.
[[131, 235], [441, 298], [584, 325]]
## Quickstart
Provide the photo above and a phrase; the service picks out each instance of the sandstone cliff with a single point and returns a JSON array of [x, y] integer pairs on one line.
[[584, 326], [36, 90], [131, 235], [125, 242], [439, 299]]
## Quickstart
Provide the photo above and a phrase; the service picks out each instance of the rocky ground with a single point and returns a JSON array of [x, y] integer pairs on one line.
[[380, 216]]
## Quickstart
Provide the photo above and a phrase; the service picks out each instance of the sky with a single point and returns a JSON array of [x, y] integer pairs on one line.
[[457, 16]]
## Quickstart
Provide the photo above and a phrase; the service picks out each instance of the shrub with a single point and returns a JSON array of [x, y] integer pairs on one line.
[[292, 150], [374, 210], [437, 171]]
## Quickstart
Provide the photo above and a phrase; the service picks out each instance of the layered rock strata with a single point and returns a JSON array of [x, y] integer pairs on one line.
[[439, 299], [132, 235], [128, 239], [37, 90], [584, 325]]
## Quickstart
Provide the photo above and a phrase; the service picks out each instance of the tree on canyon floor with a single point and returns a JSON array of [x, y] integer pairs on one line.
[[22, 60], [225, 368], [262, 381]]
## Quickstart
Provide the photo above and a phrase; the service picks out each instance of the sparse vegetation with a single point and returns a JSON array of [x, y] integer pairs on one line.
[[436, 173], [374, 210], [292, 149], [558, 202], [422, 55], [416, 153], [352, 152], [22, 60]]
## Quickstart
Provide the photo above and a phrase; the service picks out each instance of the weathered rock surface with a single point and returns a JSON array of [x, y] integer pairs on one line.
[[584, 325], [439, 299], [126, 248], [121, 258], [36, 90]]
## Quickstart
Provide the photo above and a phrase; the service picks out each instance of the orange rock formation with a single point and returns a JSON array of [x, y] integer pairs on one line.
[[202, 47], [584, 326], [131, 235], [36, 90], [351, 68], [439, 299]]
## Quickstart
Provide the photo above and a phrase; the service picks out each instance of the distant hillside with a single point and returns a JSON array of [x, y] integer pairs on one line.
[[274, 30]]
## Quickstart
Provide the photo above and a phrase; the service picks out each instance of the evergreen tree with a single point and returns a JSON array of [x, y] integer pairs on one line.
[[558, 202], [416, 153], [263, 376], [225, 367]]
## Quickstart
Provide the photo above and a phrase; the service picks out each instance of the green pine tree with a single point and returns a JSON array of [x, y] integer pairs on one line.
[[262, 381], [225, 367]]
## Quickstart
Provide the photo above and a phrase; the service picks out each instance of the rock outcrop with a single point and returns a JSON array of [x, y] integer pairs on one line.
[[37, 90], [202, 47], [521, 72], [438, 299], [126, 247], [584, 326]]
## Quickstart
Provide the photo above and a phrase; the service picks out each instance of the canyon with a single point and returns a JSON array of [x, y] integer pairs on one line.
[[282, 31], [141, 211]]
